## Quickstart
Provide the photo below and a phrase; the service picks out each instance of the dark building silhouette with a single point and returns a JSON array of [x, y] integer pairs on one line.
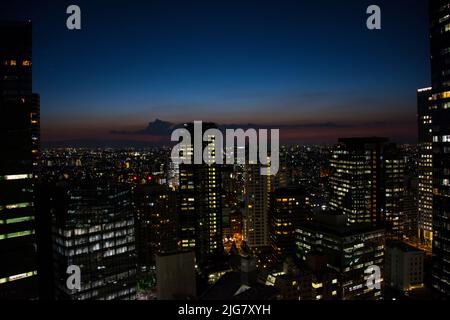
[[156, 226], [440, 114], [19, 142]]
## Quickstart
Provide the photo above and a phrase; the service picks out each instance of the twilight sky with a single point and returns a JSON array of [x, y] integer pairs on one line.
[[310, 67]]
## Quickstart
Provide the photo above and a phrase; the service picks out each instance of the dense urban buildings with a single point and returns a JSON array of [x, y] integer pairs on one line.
[[310, 280], [440, 116], [359, 217], [19, 142]]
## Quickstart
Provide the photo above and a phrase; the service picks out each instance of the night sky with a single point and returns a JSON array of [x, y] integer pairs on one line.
[[310, 67]]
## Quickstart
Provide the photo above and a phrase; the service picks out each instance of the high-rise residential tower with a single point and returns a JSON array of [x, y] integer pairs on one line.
[[200, 216], [257, 205], [425, 169], [19, 142]]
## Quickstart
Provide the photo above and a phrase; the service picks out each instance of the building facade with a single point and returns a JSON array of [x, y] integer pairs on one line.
[[425, 170], [350, 250], [93, 229], [200, 205], [404, 266], [289, 207], [257, 206], [440, 114], [367, 182], [19, 140]]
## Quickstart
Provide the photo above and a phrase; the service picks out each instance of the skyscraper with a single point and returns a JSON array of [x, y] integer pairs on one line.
[[367, 182], [393, 191], [155, 218], [355, 180], [440, 114], [200, 216], [425, 169], [19, 142], [289, 207], [93, 228], [257, 205]]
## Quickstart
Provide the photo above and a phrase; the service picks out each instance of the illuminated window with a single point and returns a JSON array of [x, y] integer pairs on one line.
[[16, 177], [317, 285], [17, 234], [26, 63], [18, 277], [19, 220]]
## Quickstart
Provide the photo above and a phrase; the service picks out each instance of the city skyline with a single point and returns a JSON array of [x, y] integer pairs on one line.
[[107, 207], [320, 72]]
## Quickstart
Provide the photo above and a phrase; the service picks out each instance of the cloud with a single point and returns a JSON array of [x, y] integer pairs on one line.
[[165, 128], [155, 128]]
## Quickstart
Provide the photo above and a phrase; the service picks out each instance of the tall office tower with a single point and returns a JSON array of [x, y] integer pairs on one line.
[[350, 251], [289, 207], [156, 227], [93, 228], [355, 179], [257, 204], [367, 181], [19, 140], [440, 114], [425, 170], [200, 217], [393, 188]]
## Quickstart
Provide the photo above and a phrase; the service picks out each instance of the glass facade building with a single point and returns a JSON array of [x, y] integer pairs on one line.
[[93, 228], [19, 142], [440, 113]]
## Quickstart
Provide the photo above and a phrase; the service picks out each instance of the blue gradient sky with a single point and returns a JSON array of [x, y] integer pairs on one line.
[[277, 62]]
